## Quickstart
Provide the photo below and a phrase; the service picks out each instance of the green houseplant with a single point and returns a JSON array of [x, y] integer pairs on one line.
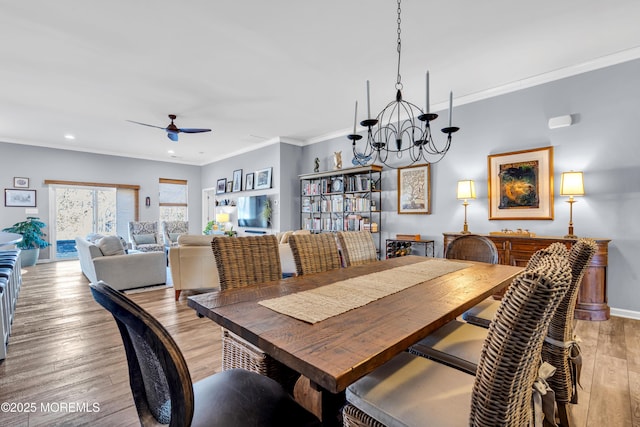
[[32, 239]]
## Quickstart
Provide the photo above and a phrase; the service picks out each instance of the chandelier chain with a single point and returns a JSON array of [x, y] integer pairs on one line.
[[399, 81]]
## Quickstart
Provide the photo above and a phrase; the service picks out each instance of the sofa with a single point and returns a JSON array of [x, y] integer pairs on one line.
[[193, 265], [104, 258]]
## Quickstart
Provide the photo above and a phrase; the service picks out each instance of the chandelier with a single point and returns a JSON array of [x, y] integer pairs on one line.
[[401, 133]]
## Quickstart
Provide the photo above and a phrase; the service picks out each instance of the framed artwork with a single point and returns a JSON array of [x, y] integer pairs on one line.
[[19, 182], [414, 189], [229, 186], [248, 181], [263, 178], [521, 184], [21, 198], [237, 180], [221, 186]]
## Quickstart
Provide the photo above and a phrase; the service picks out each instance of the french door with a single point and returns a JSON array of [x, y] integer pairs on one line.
[[81, 210]]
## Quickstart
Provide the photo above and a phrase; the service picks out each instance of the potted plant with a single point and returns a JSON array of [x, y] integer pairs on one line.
[[32, 239]]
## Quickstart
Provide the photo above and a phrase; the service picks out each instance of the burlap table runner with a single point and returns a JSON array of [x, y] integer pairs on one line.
[[315, 305]]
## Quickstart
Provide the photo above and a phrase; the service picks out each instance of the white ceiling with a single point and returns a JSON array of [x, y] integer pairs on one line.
[[262, 71]]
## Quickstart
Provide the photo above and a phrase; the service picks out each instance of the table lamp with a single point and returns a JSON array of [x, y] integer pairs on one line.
[[222, 219], [571, 184], [466, 190]]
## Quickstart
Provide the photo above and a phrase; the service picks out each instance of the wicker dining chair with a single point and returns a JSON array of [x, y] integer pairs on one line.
[[314, 253], [357, 247], [162, 388], [241, 262], [482, 313], [472, 247], [459, 344], [560, 347], [411, 390]]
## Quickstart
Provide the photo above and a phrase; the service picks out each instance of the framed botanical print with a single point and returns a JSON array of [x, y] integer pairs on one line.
[[521, 184], [414, 189]]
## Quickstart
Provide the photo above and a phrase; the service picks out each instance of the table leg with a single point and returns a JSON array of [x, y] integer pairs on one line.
[[323, 404]]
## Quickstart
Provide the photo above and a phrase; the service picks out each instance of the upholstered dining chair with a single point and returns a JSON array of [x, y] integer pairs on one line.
[[162, 388], [145, 237], [171, 230], [241, 262], [412, 390], [472, 247], [459, 344], [357, 247], [314, 253]]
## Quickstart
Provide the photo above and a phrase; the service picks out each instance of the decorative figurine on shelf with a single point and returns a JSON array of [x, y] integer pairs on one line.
[[316, 165], [337, 160]]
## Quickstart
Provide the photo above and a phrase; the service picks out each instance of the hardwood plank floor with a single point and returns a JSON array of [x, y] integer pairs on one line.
[[65, 348]]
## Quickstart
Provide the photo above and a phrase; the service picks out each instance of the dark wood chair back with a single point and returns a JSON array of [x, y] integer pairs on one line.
[[471, 247]]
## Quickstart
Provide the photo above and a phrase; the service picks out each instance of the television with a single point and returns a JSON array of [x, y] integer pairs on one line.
[[250, 211]]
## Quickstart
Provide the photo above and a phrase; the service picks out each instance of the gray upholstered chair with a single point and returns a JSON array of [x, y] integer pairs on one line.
[[412, 390], [161, 384], [357, 247], [314, 253], [145, 237], [242, 262], [171, 230]]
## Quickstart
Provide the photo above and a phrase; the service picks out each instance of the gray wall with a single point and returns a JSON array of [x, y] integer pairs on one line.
[[603, 142], [269, 156], [40, 164]]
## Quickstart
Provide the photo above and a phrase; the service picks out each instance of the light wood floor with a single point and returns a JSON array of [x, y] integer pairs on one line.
[[64, 348]]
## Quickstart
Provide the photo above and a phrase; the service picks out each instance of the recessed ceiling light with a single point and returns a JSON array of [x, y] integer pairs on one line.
[[69, 136], [171, 152]]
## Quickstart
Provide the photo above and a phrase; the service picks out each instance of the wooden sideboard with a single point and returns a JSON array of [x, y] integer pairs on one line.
[[592, 296]]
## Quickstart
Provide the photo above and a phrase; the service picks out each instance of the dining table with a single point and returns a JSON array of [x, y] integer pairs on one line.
[[366, 315]]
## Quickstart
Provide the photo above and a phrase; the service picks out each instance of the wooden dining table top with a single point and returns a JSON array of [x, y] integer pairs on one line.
[[336, 352]]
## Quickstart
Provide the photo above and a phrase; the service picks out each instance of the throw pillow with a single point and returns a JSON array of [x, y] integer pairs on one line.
[[110, 245], [144, 239], [94, 237], [174, 236]]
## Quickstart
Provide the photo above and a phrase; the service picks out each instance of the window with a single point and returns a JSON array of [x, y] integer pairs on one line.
[[173, 200]]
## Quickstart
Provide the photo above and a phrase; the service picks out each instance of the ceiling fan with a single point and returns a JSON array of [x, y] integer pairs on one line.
[[173, 130]]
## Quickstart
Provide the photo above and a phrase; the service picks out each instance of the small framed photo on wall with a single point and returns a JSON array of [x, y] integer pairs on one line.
[[221, 186], [19, 182], [248, 181], [237, 180]]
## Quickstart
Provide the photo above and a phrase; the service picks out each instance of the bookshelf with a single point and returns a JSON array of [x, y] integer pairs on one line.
[[342, 200]]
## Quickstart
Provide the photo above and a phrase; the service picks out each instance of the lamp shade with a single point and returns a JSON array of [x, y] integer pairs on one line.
[[222, 217], [466, 190], [571, 184]]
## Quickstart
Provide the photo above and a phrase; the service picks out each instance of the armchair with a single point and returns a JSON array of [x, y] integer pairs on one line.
[[144, 237], [171, 230]]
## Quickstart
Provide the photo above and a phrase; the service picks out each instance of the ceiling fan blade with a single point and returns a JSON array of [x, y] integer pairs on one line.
[[172, 136], [193, 130], [144, 124]]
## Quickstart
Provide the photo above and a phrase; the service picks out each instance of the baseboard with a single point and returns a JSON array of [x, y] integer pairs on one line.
[[629, 314]]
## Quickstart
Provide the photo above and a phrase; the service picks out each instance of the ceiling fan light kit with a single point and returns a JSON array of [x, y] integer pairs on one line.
[[173, 130]]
